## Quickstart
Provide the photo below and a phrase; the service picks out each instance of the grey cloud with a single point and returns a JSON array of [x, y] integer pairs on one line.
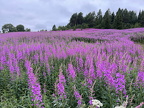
[[86, 8], [42, 14], [40, 26]]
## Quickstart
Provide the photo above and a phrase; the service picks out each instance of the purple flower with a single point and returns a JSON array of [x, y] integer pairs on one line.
[[78, 97], [85, 72], [61, 77], [81, 62], [61, 90], [92, 71], [109, 79], [90, 100], [99, 69], [13, 67], [60, 85], [140, 78], [34, 86], [120, 83], [71, 71]]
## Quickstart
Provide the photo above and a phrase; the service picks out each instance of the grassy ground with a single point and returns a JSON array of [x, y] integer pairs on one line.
[[141, 45]]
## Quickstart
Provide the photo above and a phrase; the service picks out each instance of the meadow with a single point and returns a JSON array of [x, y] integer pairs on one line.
[[90, 68]]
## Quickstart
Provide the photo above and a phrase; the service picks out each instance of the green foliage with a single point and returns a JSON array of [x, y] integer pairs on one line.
[[28, 29], [123, 19], [20, 28], [62, 28], [88, 40], [4, 77], [54, 28], [80, 18], [98, 19], [106, 22], [89, 19], [84, 26], [141, 18], [73, 20], [139, 38], [8, 28], [137, 25], [118, 20], [42, 30]]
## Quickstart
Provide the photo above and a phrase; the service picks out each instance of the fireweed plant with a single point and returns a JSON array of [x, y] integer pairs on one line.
[[72, 69]]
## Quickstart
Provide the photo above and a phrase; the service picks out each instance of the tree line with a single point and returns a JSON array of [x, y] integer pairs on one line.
[[11, 28], [122, 19]]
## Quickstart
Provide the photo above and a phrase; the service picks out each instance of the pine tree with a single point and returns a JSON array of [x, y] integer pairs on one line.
[[106, 22], [73, 20], [54, 28], [112, 19], [98, 19], [133, 17], [141, 18], [90, 19], [80, 18], [118, 22]]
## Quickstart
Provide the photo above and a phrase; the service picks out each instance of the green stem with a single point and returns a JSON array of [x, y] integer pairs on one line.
[[110, 97]]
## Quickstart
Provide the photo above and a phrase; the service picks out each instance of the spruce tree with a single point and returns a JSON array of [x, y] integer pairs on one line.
[[98, 19], [80, 18], [118, 22], [54, 28], [89, 19], [106, 22], [73, 20]]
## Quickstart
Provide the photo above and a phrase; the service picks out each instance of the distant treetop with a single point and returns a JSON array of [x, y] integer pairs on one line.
[[122, 19], [10, 28]]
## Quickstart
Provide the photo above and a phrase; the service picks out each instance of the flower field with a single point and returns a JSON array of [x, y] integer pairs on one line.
[[72, 69]]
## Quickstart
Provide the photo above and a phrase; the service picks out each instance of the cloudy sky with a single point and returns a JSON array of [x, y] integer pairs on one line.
[[43, 14]]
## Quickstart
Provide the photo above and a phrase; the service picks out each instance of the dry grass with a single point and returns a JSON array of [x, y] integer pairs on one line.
[[140, 44]]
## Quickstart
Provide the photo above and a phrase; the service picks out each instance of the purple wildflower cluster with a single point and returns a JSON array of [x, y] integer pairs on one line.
[[77, 96], [113, 61], [60, 89], [140, 78], [120, 83], [34, 86], [13, 66], [71, 71]]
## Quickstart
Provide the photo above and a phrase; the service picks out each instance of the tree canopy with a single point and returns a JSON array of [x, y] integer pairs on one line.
[[122, 19], [20, 27], [11, 28], [54, 28], [8, 28]]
